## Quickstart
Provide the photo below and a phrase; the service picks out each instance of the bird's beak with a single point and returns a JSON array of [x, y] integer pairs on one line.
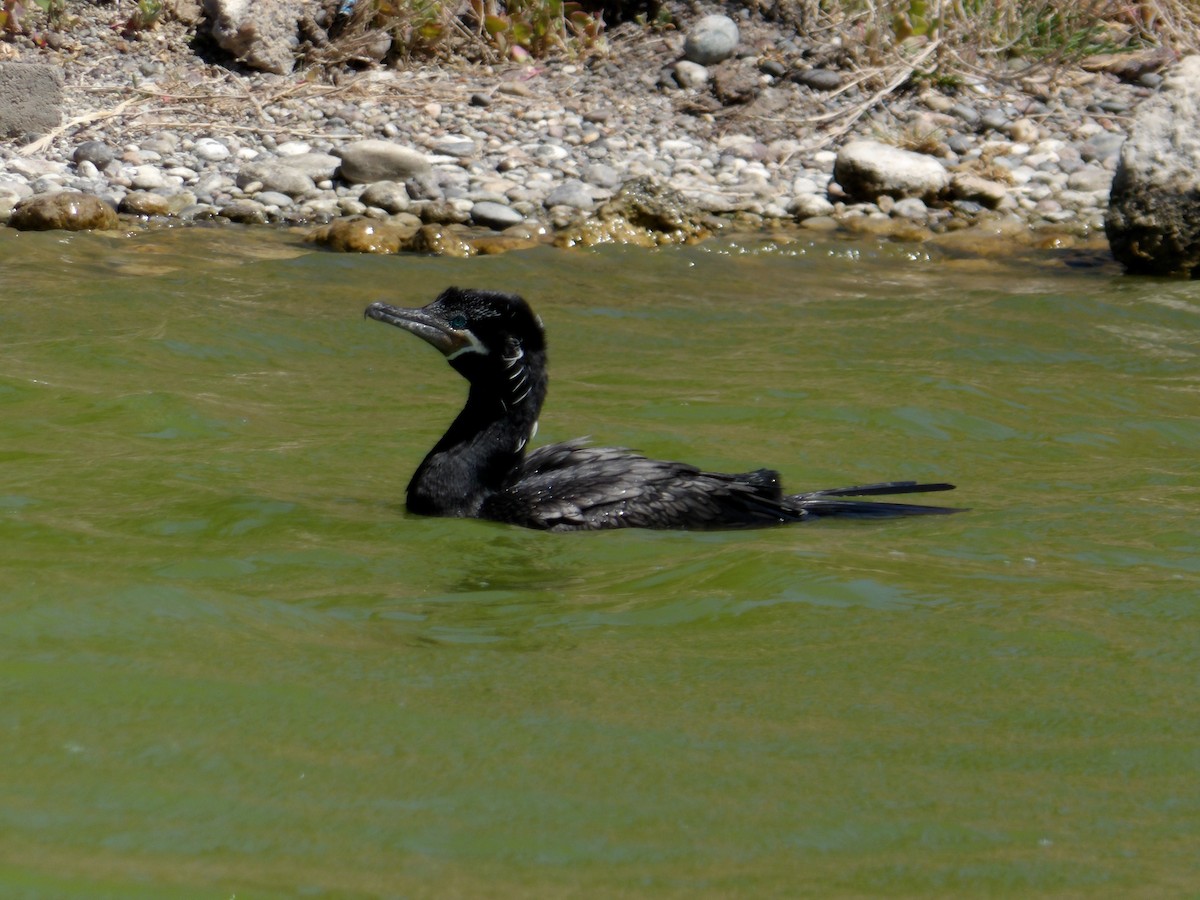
[[424, 324]]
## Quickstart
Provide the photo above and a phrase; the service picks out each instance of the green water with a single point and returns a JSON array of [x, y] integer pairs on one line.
[[234, 666]]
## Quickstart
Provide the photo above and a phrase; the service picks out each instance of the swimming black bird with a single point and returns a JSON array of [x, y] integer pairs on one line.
[[479, 469]]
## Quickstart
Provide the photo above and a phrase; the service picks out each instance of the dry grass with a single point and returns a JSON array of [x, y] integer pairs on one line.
[[979, 35], [890, 45]]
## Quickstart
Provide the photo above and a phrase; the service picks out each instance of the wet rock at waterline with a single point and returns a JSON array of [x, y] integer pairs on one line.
[[64, 211], [361, 235], [145, 203], [643, 212], [1153, 221]]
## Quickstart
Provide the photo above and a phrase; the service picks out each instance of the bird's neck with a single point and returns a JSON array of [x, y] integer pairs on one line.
[[484, 446]]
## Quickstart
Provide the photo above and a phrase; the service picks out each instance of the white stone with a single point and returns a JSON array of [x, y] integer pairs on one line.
[[867, 169], [211, 150], [293, 148]]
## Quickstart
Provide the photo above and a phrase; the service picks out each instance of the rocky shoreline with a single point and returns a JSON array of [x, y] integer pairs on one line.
[[637, 144]]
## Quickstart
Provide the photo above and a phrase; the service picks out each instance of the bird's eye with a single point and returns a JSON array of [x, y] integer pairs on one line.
[[458, 323]]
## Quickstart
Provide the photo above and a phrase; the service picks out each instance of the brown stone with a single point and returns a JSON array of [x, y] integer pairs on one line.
[[144, 203], [361, 235], [65, 211], [440, 240]]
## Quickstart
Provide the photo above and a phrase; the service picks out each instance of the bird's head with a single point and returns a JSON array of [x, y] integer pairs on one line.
[[484, 335]]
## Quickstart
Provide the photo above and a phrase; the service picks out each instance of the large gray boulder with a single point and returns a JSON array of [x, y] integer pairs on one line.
[[867, 170], [264, 34], [1153, 221], [365, 162], [32, 98]]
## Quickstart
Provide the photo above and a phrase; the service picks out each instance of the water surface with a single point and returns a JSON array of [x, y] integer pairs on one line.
[[234, 665]]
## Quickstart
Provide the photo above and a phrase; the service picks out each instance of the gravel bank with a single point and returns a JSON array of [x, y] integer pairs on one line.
[[532, 150]]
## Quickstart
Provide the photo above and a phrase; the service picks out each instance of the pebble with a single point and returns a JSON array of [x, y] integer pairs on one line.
[[210, 150], [572, 193], [458, 147], [993, 119], [690, 74], [495, 215], [819, 79], [96, 153], [386, 195]]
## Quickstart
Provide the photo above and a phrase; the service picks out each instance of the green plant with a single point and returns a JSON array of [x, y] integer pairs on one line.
[[145, 16], [416, 26], [10, 16], [539, 27]]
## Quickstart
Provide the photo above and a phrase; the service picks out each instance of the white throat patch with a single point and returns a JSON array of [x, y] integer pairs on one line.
[[475, 346]]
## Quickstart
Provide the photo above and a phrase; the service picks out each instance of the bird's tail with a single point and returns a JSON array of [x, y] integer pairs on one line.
[[826, 503]]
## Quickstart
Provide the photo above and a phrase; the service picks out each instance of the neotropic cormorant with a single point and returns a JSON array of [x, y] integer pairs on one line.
[[479, 469]]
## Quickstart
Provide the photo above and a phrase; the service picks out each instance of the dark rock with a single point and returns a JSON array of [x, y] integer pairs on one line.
[[644, 213], [98, 153], [1153, 220], [495, 215], [772, 67], [246, 212], [819, 79]]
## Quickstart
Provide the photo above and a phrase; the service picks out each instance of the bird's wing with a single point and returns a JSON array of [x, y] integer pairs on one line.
[[571, 486]]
